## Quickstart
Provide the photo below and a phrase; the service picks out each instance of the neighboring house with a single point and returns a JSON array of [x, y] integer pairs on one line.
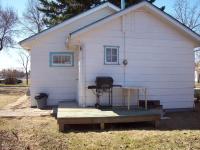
[[67, 58]]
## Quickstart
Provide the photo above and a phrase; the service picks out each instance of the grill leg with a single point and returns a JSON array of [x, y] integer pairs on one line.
[[98, 97], [102, 126], [111, 97]]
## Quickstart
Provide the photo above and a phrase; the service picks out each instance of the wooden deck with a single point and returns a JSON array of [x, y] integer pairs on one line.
[[66, 116]]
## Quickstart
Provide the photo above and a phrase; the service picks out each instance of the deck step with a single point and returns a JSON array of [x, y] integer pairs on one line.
[[68, 104]]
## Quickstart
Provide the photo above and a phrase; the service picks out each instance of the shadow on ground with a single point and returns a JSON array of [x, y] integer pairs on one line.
[[178, 121]]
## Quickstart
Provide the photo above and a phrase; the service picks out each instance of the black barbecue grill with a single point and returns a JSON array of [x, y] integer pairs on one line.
[[103, 85]]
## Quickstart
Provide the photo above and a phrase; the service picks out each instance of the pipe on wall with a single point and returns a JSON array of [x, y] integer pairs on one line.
[[122, 4]]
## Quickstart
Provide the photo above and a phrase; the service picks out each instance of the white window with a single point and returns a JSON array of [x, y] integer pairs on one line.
[[61, 59], [111, 55]]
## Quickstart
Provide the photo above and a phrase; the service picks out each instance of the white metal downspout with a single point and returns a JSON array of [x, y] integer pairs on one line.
[[83, 77], [85, 88], [124, 49]]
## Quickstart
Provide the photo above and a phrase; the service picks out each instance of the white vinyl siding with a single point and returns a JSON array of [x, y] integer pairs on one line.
[[59, 82], [159, 58]]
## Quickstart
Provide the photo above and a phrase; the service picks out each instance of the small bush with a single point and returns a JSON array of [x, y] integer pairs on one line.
[[1, 81], [10, 81]]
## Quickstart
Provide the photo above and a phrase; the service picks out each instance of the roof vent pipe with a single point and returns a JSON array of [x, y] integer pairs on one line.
[[122, 4]]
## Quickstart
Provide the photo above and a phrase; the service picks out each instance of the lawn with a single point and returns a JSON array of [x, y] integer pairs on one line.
[[10, 94], [182, 131]]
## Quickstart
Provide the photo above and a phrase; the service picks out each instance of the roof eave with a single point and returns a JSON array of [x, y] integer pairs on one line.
[[25, 46]]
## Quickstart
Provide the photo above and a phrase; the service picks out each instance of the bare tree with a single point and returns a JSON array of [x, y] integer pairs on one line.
[[25, 61], [188, 13], [8, 21], [33, 18]]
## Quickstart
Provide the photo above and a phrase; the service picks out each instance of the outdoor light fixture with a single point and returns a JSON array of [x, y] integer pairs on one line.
[[125, 62]]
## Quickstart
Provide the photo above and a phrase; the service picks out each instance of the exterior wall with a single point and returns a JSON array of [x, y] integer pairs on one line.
[[159, 58], [61, 83]]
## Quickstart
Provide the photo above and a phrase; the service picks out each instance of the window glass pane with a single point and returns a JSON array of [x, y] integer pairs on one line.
[[63, 60], [59, 59], [68, 60], [108, 54], [114, 58], [108, 51], [55, 59], [114, 51], [108, 58]]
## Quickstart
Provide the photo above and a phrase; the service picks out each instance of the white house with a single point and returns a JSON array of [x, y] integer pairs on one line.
[[67, 58]]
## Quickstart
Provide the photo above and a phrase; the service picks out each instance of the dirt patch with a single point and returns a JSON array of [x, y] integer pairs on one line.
[[21, 108], [21, 103], [10, 95]]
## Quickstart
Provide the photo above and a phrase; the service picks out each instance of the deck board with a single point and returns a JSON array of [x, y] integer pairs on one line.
[[92, 112]]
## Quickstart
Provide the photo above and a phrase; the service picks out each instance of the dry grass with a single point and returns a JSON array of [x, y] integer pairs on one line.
[[197, 85], [10, 95], [181, 132]]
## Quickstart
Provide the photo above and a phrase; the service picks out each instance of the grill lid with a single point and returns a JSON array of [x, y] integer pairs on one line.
[[104, 82]]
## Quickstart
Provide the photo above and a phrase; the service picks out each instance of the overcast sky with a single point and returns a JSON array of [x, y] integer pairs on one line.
[[9, 59]]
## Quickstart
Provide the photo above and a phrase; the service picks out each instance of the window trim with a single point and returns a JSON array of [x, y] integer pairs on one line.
[[111, 63], [51, 64]]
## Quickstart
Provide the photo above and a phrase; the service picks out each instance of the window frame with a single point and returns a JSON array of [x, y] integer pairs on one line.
[[52, 54], [105, 56]]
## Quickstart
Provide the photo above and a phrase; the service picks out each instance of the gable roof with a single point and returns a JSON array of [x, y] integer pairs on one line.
[[153, 8], [68, 21]]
